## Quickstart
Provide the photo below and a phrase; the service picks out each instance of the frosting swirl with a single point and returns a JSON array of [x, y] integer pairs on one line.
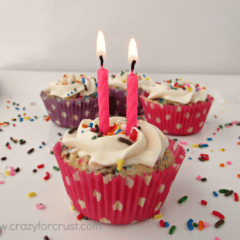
[[71, 85], [120, 81], [179, 91], [149, 146]]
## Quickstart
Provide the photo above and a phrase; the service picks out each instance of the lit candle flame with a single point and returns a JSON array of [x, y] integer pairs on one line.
[[132, 51], [101, 48]]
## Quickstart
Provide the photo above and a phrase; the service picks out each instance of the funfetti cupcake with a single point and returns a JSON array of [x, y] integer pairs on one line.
[[177, 107], [114, 178], [71, 100], [118, 92]]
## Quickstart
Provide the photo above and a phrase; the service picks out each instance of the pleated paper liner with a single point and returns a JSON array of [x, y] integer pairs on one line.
[[119, 200], [177, 120], [69, 113], [117, 102]]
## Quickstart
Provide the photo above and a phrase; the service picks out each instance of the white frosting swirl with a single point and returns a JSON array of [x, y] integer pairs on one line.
[[120, 81], [192, 93], [149, 146], [72, 84]]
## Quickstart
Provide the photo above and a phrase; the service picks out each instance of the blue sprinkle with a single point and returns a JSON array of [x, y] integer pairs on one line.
[[24, 108], [190, 158], [121, 74], [204, 145], [215, 194], [196, 90], [21, 119], [83, 80], [40, 146], [209, 139], [187, 150], [119, 130], [96, 84], [166, 224], [71, 92], [190, 224], [68, 94], [90, 125], [31, 120], [82, 131], [17, 108], [144, 75]]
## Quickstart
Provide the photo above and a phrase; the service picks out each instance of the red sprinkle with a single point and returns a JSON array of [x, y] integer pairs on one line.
[[133, 135], [47, 176], [8, 146], [162, 223], [236, 197], [80, 216], [40, 166], [203, 202], [218, 214]]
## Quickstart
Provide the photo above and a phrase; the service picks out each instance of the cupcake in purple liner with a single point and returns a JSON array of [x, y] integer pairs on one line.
[[118, 92], [71, 100], [114, 178], [177, 107]]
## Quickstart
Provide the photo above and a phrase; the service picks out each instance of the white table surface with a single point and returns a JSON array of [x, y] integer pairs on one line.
[[16, 208]]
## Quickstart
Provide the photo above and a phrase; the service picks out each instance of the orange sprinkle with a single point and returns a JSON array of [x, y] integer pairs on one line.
[[203, 88], [238, 175], [238, 143], [8, 101], [47, 118], [200, 225], [77, 81], [7, 106], [84, 125], [110, 134], [24, 114], [122, 132], [222, 165], [64, 84], [64, 75]]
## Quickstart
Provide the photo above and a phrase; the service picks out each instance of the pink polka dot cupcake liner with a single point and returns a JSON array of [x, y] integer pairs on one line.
[[69, 113], [117, 102], [177, 120], [119, 200]]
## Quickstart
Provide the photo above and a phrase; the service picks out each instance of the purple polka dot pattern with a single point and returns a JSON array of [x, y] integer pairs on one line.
[[176, 120], [69, 113], [117, 102]]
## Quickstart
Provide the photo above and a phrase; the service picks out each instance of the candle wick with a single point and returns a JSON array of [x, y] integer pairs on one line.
[[132, 65], [101, 60]]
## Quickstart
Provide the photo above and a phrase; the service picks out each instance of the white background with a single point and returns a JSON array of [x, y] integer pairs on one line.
[[194, 36]]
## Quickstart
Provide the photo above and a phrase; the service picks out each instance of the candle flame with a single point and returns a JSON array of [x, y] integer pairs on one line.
[[101, 48], [132, 50]]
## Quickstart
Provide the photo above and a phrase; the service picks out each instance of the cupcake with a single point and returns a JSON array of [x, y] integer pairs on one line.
[[116, 179], [71, 100], [177, 107], [118, 92]]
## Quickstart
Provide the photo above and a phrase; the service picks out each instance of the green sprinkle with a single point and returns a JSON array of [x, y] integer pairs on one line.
[[94, 137], [195, 225], [64, 146], [116, 170], [221, 126], [239, 137], [200, 146], [14, 103], [183, 199], [172, 230], [56, 168], [175, 139], [35, 117], [21, 141], [223, 190]]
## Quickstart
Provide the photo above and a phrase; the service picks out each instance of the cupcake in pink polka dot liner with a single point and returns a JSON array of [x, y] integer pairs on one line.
[[114, 178], [71, 100], [177, 107]]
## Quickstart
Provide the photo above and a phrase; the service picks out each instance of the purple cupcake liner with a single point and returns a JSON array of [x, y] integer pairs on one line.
[[69, 113], [117, 102]]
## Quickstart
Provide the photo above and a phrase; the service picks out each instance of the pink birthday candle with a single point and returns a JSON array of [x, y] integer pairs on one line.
[[132, 89], [132, 101], [103, 92]]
